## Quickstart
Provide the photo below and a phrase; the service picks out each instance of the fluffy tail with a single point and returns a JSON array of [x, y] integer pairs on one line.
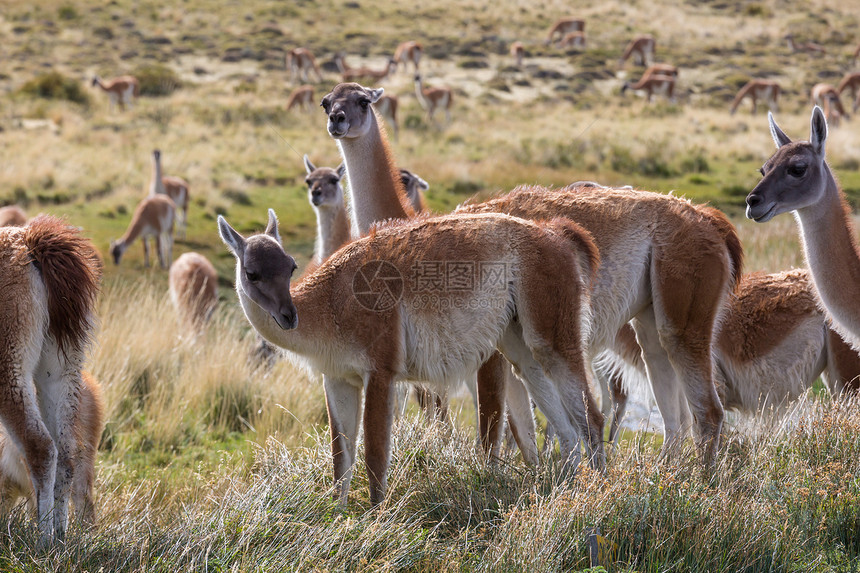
[[71, 270]]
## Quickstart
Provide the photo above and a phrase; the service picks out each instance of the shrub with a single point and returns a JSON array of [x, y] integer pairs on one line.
[[157, 80], [54, 85]]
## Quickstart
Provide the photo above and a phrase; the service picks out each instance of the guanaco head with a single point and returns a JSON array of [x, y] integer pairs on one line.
[[414, 187], [116, 251], [794, 177], [324, 185], [156, 154], [348, 109], [263, 270], [95, 81]]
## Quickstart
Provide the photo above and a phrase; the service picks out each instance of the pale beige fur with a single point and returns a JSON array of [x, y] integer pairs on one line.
[[193, 290], [434, 98], [12, 216]]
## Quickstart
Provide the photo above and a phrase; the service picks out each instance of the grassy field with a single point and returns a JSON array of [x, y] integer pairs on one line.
[[210, 464]]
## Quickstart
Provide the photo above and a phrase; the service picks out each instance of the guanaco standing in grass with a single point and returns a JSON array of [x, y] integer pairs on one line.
[[386, 105], [798, 179], [808, 47], [518, 52], [174, 187], [15, 478], [51, 276], [350, 74], [758, 89], [433, 98], [851, 81], [641, 49], [658, 84], [359, 320], [153, 217], [638, 231], [377, 193], [121, 90], [408, 51], [193, 289], [564, 26], [302, 96], [573, 40], [300, 62]]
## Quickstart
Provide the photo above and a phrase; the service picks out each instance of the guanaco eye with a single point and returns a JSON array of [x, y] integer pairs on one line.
[[364, 103], [252, 276], [292, 272], [761, 170], [324, 105], [308, 182], [797, 169]]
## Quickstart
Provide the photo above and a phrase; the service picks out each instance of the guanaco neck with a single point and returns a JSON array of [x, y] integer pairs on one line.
[[135, 229], [831, 254], [332, 231], [157, 184], [314, 339], [419, 93], [375, 190]]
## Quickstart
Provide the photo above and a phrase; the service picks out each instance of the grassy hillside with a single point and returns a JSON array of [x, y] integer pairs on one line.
[[208, 463]]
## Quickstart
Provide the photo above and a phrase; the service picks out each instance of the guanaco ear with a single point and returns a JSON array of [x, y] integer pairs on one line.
[[421, 183], [376, 94], [272, 226], [308, 165], [779, 136], [231, 237], [341, 170], [818, 130]]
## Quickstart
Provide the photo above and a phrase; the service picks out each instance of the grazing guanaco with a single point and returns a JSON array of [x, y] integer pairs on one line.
[[564, 26], [51, 276], [386, 105], [15, 479], [174, 187], [12, 216], [300, 62], [350, 74], [409, 51], [518, 52], [302, 96], [767, 90], [360, 320], [653, 84], [573, 40], [193, 288], [121, 90], [433, 98], [641, 49], [851, 81], [808, 47], [153, 217], [824, 93], [797, 179]]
